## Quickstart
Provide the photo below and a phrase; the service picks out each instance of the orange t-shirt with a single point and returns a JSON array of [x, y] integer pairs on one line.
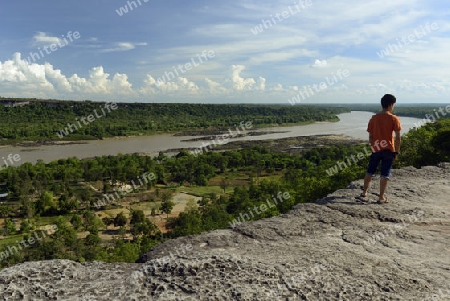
[[382, 126]]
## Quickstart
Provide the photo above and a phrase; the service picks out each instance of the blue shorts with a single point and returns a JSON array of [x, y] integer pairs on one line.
[[386, 157]]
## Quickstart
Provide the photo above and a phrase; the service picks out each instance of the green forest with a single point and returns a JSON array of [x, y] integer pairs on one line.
[[66, 193], [43, 120], [407, 110]]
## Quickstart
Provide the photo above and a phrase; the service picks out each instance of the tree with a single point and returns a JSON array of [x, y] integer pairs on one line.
[[137, 216], [223, 164], [123, 231], [66, 204], [153, 212], [65, 243], [26, 226], [166, 207], [224, 183], [5, 210], [146, 243], [107, 221], [159, 170], [92, 244], [106, 186], [9, 228], [145, 227], [37, 220], [204, 201], [441, 142], [120, 220], [260, 164], [92, 240], [161, 157], [76, 221], [86, 196], [125, 251], [45, 202], [186, 224], [91, 222], [26, 206], [166, 196]]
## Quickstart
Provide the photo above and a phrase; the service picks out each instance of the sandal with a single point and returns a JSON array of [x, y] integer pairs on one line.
[[385, 201], [362, 197]]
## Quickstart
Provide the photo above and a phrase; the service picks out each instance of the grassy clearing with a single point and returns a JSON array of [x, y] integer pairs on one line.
[[49, 220], [145, 206], [201, 191], [113, 212], [273, 177], [11, 240]]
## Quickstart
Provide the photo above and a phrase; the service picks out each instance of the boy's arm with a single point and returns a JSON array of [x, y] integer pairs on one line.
[[398, 141], [370, 130]]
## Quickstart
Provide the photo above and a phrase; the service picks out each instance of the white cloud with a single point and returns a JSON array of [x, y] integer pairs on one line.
[[123, 46], [278, 87], [19, 78], [215, 87], [319, 64], [41, 38], [262, 83], [56, 79], [99, 82], [240, 83], [20, 75], [178, 86]]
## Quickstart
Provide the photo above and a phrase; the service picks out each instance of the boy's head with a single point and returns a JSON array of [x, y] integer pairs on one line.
[[387, 100]]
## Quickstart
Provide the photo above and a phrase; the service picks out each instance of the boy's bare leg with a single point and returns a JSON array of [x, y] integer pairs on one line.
[[383, 186], [367, 180]]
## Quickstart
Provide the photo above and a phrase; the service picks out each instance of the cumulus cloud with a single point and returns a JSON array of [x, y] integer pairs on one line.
[[20, 75], [240, 83], [56, 79], [278, 87], [100, 82], [180, 84], [262, 83], [149, 86], [215, 87]]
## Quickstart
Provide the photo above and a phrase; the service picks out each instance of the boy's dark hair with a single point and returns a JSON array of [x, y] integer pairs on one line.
[[387, 100]]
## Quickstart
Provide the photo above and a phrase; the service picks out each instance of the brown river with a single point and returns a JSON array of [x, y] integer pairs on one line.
[[352, 124]]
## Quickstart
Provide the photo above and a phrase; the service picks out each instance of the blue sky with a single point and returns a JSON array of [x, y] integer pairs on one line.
[[302, 51]]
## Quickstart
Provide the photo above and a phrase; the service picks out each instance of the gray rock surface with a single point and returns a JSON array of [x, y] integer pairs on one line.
[[339, 248]]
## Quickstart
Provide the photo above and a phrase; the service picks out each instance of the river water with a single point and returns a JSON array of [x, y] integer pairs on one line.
[[352, 124]]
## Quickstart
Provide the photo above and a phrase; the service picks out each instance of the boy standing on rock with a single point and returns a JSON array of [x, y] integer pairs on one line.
[[384, 147]]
